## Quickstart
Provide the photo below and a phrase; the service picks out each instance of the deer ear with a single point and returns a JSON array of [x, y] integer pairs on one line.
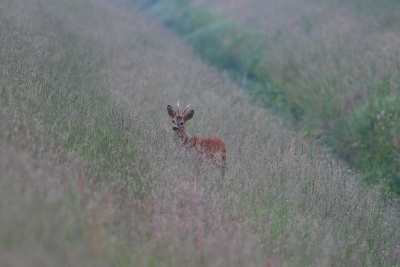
[[171, 111], [189, 115]]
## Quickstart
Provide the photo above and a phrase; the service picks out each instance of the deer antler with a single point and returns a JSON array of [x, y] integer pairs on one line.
[[178, 106], [185, 109]]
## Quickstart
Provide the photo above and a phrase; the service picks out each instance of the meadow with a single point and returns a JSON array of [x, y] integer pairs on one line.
[[90, 174], [329, 67]]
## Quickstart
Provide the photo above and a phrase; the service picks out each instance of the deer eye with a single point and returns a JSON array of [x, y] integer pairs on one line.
[[173, 121], [181, 123]]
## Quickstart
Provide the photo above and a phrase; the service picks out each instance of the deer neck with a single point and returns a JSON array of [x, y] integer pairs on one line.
[[183, 136]]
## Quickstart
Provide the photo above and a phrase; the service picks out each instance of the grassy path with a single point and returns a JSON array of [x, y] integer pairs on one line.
[[90, 174]]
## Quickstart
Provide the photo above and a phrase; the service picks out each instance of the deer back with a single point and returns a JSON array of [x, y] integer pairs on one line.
[[209, 146]]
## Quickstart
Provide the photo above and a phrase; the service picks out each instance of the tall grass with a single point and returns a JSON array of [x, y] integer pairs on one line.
[[316, 63], [91, 175]]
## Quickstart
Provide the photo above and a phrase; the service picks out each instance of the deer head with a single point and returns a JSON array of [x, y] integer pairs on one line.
[[179, 120]]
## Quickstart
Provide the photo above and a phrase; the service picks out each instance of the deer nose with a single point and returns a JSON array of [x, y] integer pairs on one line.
[[175, 128]]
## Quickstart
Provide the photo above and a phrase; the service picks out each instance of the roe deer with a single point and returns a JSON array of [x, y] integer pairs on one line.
[[211, 147]]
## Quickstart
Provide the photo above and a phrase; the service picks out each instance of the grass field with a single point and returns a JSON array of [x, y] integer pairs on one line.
[[330, 68], [90, 174]]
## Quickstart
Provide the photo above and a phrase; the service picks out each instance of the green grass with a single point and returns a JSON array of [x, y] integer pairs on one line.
[[373, 133], [91, 174], [221, 41]]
